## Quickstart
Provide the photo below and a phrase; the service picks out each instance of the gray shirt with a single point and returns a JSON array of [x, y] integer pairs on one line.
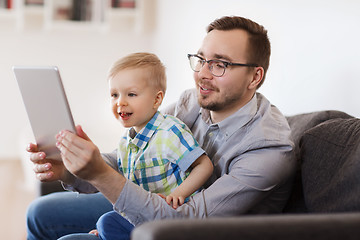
[[253, 165]]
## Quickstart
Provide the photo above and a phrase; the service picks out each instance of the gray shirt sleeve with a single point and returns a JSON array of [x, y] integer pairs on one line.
[[249, 181]]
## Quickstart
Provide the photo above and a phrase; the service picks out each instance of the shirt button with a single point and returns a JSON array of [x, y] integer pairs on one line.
[[211, 134]]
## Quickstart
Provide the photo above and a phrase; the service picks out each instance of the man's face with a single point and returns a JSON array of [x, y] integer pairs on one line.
[[230, 91]]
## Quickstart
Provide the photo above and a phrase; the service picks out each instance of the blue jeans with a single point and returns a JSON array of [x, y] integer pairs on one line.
[[59, 214], [111, 226]]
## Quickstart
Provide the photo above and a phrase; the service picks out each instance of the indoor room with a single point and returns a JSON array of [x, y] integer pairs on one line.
[[313, 65]]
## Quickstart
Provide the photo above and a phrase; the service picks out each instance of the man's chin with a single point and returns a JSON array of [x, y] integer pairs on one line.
[[202, 100], [211, 106]]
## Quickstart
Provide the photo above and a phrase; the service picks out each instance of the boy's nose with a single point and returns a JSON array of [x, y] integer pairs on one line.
[[121, 102]]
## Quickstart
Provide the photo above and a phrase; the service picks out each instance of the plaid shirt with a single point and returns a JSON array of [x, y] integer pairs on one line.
[[158, 157]]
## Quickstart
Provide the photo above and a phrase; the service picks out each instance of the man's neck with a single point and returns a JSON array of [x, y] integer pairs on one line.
[[218, 116]]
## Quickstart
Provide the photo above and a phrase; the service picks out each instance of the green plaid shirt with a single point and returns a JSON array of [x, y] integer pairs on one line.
[[159, 156]]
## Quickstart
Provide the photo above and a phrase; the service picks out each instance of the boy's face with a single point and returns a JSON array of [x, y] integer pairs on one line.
[[133, 100]]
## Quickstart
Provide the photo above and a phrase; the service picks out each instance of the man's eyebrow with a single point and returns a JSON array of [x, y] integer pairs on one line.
[[219, 56], [215, 56]]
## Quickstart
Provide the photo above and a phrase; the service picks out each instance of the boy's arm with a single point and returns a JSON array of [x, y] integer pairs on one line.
[[202, 169]]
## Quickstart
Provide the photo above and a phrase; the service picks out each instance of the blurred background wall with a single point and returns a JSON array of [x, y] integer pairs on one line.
[[314, 62]]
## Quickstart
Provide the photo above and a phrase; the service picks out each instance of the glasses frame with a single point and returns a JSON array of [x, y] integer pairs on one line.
[[226, 64]]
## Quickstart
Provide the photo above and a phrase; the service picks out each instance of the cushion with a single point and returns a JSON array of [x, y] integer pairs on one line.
[[331, 166], [299, 124]]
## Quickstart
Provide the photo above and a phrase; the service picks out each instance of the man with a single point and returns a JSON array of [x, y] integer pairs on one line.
[[247, 139]]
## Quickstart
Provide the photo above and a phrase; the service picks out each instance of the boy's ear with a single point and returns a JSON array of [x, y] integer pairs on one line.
[[158, 99], [257, 77]]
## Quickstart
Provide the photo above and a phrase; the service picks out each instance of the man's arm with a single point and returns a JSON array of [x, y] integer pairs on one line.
[[250, 180], [81, 186]]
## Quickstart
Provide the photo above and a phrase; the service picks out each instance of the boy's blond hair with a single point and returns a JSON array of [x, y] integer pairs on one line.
[[149, 62]]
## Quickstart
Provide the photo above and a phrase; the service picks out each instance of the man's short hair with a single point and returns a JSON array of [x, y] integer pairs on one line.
[[259, 50]]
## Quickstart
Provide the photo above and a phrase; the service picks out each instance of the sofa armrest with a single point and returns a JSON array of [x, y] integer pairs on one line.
[[344, 226]]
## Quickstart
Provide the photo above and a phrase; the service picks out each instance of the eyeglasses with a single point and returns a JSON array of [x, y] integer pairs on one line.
[[216, 67]]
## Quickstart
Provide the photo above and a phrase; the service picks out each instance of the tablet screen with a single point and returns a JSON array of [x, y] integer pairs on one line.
[[46, 105]]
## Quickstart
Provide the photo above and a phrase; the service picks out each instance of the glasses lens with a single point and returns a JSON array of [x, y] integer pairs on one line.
[[195, 63], [217, 68]]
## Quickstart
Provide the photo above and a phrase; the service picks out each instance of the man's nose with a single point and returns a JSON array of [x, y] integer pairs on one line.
[[205, 71]]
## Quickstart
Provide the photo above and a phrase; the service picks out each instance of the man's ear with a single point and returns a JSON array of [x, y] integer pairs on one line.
[[257, 77], [158, 99]]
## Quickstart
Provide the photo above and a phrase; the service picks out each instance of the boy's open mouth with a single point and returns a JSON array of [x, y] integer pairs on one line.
[[125, 114]]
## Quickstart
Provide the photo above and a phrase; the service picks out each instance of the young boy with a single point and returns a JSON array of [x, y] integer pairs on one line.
[[158, 152]]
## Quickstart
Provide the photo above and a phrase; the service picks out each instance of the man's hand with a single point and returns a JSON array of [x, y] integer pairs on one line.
[[47, 170], [82, 158], [79, 154]]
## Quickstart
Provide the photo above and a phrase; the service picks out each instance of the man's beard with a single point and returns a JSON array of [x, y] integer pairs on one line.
[[216, 105]]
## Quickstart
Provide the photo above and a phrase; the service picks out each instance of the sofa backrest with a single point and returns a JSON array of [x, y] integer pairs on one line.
[[331, 166], [299, 125]]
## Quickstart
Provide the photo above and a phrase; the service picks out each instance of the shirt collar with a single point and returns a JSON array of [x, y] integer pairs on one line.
[[237, 120], [142, 138]]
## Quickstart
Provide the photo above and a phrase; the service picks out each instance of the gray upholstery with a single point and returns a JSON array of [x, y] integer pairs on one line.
[[299, 124], [331, 166], [270, 227]]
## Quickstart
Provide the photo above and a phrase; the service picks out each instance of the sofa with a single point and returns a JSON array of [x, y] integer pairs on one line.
[[324, 203]]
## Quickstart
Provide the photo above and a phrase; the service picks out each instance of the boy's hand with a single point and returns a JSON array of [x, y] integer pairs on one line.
[[176, 201], [173, 200], [94, 232]]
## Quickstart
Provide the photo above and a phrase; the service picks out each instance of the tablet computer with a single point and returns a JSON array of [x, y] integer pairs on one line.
[[46, 105]]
